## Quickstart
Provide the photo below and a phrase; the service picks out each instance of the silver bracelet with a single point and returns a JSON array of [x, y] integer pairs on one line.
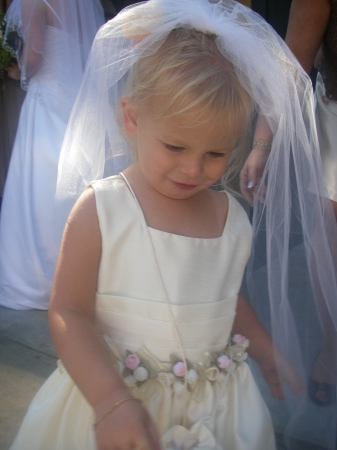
[[261, 143]]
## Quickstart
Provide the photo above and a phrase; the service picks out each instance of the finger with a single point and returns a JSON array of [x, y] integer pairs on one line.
[[276, 391], [249, 196], [252, 182], [260, 196], [260, 192], [143, 443], [153, 437], [253, 177], [247, 192], [289, 375], [295, 382]]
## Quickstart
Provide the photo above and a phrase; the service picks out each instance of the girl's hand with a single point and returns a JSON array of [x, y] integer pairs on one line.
[[281, 372], [127, 427]]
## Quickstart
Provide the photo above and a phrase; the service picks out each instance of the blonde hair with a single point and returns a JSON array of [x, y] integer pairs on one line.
[[189, 72]]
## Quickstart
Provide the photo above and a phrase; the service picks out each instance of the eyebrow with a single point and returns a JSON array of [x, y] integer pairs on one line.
[[180, 144]]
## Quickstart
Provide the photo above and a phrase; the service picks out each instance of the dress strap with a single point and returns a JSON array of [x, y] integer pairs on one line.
[[169, 306], [121, 174]]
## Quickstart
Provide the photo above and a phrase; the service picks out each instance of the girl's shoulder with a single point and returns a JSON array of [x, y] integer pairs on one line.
[[112, 183], [237, 216], [114, 202], [111, 193]]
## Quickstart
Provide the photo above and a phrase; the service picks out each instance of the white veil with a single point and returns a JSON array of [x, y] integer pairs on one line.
[[77, 22], [291, 276]]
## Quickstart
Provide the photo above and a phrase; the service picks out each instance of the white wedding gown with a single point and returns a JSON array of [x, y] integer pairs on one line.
[[29, 240], [153, 285]]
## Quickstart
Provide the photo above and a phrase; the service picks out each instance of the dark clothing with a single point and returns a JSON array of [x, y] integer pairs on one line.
[[120, 4], [328, 65], [276, 12]]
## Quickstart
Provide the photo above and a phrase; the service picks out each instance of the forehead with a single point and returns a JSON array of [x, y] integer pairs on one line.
[[201, 116], [188, 129]]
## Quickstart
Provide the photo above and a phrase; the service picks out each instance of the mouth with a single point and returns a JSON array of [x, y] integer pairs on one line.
[[184, 186]]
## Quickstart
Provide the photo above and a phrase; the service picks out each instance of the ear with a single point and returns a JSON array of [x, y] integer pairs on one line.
[[130, 116]]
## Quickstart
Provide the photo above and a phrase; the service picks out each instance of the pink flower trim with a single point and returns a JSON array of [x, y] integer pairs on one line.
[[132, 361], [179, 369], [238, 339], [224, 362]]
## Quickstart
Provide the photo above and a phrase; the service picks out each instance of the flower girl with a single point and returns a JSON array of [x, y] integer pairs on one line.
[[146, 312]]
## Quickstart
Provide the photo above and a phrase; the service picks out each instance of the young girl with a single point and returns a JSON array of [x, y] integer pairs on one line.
[[152, 258]]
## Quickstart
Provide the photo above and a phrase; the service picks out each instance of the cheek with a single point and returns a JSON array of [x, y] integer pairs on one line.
[[153, 162], [161, 161], [218, 167]]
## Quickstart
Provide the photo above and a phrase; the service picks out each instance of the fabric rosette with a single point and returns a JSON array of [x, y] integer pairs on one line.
[[143, 372]]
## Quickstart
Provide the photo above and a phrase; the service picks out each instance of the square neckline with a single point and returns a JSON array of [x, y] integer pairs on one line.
[[156, 230]]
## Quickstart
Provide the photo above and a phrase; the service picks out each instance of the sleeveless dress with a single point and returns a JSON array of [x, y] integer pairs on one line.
[[162, 297], [29, 240]]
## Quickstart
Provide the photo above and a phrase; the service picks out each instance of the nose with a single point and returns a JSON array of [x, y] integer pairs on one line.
[[192, 166]]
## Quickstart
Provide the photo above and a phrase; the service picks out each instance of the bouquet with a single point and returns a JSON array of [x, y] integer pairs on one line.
[[5, 53], [10, 47]]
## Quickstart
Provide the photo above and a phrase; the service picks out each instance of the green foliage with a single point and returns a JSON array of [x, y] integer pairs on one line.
[[5, 54]]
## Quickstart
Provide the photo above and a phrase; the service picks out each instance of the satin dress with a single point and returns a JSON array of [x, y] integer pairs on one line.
[[164, 300]]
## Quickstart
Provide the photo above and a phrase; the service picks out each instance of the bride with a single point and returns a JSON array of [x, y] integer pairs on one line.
[[55, 40]]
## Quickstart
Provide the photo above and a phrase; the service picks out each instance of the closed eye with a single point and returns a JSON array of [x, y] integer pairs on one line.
[[216, 154], [173, 148]]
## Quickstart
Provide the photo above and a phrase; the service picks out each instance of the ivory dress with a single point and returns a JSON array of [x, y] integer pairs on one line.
[[29, 240], [154, 290]]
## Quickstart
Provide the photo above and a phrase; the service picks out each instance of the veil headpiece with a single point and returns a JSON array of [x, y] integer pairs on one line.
[[291, 276], [76, 22]]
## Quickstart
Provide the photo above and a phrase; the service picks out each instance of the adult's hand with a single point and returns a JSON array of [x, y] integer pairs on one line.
[[253, 168], [13, 71], [252, 172]]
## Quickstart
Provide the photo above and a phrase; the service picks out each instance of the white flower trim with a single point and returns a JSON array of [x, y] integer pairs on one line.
[[191, 378]]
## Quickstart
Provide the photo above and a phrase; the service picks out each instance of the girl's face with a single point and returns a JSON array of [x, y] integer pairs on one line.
[[178, 160]]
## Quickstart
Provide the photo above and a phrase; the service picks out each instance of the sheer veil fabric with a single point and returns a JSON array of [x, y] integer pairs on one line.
[[77, 19], [51, 40], [291, 276]]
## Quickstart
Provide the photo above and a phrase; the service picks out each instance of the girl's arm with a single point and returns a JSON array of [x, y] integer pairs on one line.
[[71, 316], [274, 366]]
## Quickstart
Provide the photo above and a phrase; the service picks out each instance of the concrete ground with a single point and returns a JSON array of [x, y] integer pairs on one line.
[[27, 358]]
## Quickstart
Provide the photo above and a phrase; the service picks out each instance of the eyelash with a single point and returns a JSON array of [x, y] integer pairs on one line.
[[173, 148], [216, 154]]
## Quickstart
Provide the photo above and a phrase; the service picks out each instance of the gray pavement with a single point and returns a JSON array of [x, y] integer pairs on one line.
[[27, 358]]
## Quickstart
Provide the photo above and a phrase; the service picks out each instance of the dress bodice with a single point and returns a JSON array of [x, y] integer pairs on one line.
[[53, 56], [56, 83], [199, 278]]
